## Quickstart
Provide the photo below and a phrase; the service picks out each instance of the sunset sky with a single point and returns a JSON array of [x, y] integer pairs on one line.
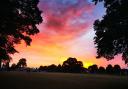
[[66, 31]]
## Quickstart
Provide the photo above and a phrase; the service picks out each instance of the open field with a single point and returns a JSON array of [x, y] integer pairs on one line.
[[23, 80]]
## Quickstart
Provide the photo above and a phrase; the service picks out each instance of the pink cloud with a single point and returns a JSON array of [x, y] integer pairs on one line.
[[64, 21]]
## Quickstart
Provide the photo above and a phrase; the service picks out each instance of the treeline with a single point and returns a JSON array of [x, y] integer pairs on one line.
[[21, 65], [78, 68], [71, 65]]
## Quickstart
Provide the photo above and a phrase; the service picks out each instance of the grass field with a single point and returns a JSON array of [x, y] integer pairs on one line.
[[23, 80]]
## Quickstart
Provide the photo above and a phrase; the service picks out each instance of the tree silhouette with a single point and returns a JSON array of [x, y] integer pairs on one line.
[[41, 68], [22, 63], [109, 69], [59, 68], [112, 31], [13, 66], [101, 70], [52, 68], [93, 68], [72, 65], [5, 65], [117, 69], [124, 71], [18, 19]]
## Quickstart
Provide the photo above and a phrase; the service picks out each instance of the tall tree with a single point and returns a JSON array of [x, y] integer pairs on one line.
[[18, 20], [72, 65], [22, 63], [93, 68], [101, 70], [117, 69], [109, 69], [13, 66], [112, 31]]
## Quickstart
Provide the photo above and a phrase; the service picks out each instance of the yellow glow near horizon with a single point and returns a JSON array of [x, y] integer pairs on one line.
[[87, 64]]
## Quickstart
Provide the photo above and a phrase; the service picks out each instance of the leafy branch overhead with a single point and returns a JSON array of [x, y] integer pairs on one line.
[[18, 19], [112, 31]]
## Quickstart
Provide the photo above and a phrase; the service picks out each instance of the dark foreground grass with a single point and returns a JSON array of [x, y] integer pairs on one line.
[[24, 80]]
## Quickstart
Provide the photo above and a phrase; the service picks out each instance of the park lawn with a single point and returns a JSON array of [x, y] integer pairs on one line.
[[42, 80]]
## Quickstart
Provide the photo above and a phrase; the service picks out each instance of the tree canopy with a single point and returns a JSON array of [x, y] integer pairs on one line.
[[112, 31], [72, 65], [22, 63], [18, 20]]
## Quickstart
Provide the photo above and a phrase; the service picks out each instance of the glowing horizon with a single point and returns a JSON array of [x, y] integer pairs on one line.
[[67, 31]]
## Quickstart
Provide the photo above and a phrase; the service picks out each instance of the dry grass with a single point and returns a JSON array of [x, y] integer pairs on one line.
[[23, 80]]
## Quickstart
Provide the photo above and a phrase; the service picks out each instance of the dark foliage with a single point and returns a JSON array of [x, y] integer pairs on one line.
[[52, 68], [13, 66], [5, 65], [117, 69], [109, 69], [101, 70], [42, 68], [18, 19], [124, 71], [72, 65], [22, 63], [93, 68], [59, 68], [112, 31]]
